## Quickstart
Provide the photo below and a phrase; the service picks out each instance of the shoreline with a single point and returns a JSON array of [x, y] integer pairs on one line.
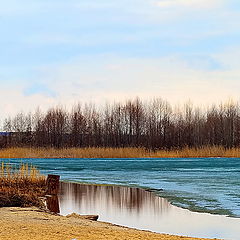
[[145, 189], [17, 213], [32, 223]]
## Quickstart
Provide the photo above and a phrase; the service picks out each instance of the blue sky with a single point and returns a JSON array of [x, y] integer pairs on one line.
[[61, 52]]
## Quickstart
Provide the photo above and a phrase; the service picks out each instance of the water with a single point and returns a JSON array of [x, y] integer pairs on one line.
[[210, 185], [138, 208]]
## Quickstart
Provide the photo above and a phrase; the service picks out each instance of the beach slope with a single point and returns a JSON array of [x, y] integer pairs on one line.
[[32, 223]]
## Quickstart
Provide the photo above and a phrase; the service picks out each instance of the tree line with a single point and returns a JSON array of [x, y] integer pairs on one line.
[[151, 124]]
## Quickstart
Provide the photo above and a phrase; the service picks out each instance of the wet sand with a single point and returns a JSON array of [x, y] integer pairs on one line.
[[32, 223]]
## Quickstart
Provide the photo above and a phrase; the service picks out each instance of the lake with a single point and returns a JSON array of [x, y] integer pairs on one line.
[[208, 185]]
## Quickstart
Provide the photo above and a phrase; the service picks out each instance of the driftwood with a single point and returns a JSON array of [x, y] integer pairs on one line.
[[88, 217], [52, 184]]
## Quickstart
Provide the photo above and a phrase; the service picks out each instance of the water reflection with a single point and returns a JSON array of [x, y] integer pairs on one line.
[[93, 197], [140, 209]]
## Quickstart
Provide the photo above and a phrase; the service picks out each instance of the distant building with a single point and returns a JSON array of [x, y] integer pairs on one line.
[[5, 134], [4, 139]]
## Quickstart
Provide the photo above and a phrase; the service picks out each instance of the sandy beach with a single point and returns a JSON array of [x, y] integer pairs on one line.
[[32, 223]]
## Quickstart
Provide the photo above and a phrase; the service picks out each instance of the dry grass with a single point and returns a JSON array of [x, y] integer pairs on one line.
[[72, 153], [117, 153], [198, 153], [20, 186]]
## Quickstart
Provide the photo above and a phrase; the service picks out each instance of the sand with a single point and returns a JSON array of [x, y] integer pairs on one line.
[[32, 223]]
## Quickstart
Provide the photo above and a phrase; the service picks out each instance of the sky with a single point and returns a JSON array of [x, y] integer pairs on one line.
[[65, 52]]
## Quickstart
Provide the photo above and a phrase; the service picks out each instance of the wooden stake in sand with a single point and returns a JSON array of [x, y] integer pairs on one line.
[[51, 193], [52, 184]]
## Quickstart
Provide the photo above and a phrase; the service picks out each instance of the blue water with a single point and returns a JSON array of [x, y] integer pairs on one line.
[[205, 185]]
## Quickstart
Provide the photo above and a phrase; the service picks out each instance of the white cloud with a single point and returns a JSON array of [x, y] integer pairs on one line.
[[13, 101], [188, 3], [109, 78], [229, 57], [117, 79]]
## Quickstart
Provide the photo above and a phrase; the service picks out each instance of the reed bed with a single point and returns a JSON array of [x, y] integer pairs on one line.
[[198, 153], [21, 186], [215, 151]]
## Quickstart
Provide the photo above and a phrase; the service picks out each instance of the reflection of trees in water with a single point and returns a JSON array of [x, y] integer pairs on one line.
[[132, 199]]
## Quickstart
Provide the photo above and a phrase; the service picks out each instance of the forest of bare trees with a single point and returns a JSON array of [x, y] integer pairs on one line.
[[153, 125]]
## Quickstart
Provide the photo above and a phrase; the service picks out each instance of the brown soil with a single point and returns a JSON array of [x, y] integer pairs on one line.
[[31, 224]]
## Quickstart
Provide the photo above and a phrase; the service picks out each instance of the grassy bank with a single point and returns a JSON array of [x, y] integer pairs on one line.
[[21, 187], [117, 153]]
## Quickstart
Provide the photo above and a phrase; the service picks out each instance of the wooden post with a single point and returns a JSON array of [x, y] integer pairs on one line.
[[52, 184], [53, 204]]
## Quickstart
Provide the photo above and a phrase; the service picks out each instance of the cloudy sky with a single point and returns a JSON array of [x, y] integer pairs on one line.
[[61, 52]]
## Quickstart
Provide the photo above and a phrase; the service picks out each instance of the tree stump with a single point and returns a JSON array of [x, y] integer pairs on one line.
[[52, 184]]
